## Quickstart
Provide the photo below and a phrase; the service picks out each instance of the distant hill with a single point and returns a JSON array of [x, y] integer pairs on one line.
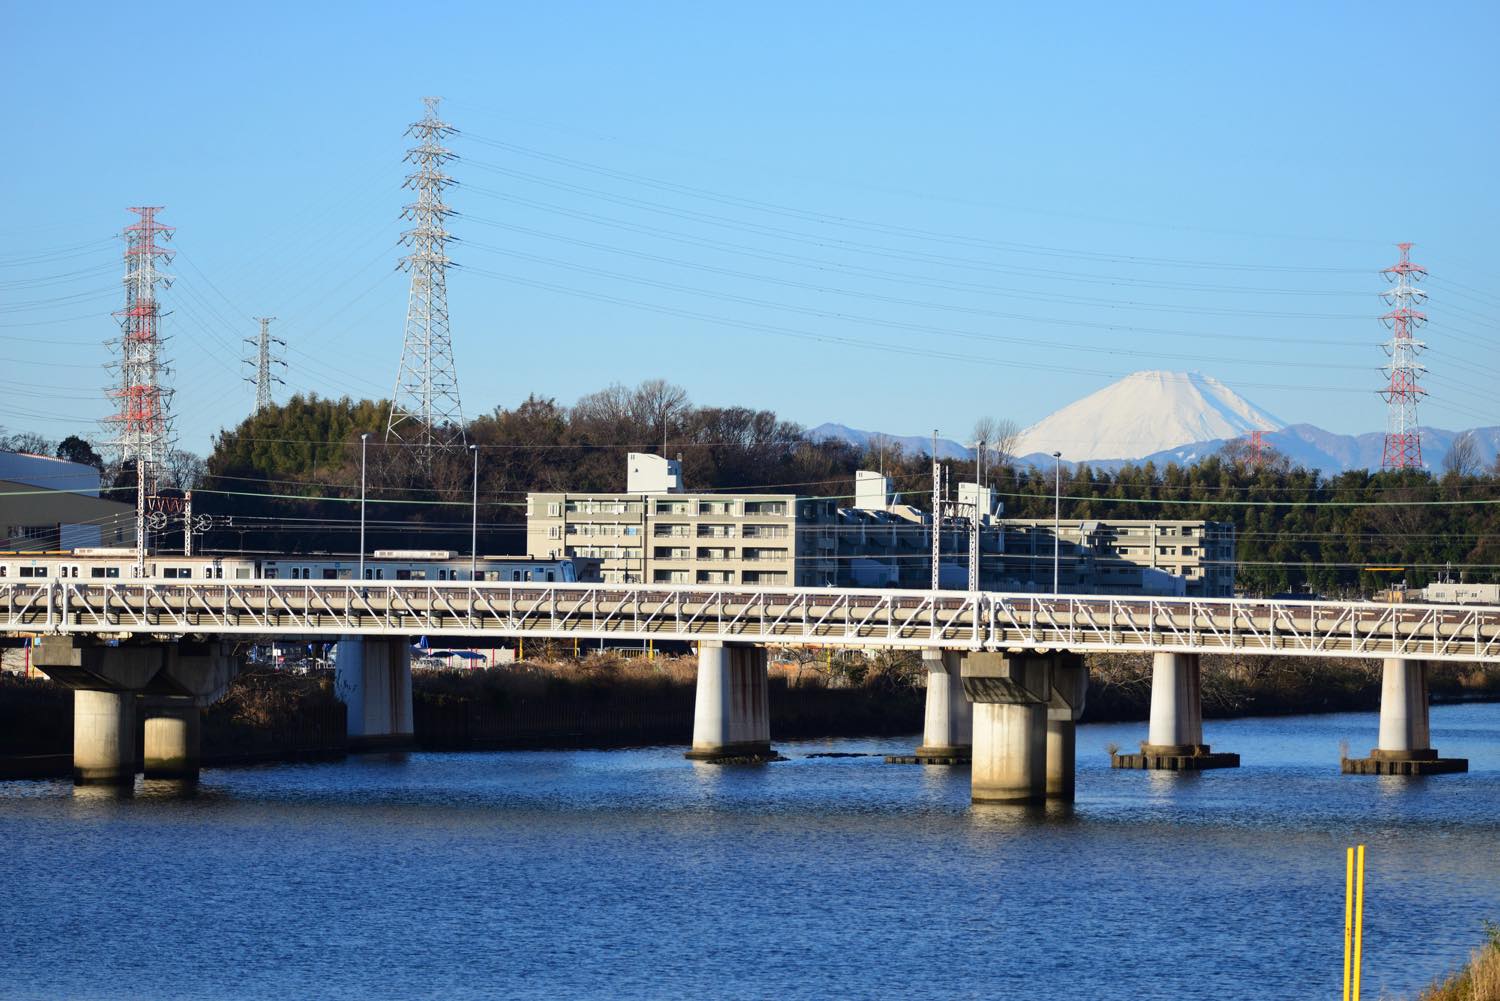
[[911, 444], [1179, 417]]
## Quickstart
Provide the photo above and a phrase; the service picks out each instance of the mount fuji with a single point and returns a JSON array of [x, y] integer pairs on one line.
[[1145, 413], [1181, 417]]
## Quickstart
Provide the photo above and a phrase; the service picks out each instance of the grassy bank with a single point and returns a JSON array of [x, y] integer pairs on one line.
[[1479, 981]]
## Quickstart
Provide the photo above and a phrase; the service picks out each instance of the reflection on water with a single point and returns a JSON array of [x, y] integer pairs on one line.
[[638, 874]]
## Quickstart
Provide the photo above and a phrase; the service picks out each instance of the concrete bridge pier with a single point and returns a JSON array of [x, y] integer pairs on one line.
[[731, 715], [372, 677], [173, 746], [947, 733], [1070, 686], [194, 675], [1405, 743], [1174, 741], [1010, 694], [106, 681]]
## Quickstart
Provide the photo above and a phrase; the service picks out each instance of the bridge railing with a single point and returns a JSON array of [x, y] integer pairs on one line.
[[835, 616]]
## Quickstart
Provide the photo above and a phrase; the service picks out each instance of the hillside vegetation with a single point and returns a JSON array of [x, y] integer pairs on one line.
[[290, 474]]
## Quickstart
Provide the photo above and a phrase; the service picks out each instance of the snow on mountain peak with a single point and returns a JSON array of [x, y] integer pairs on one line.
[[1144, 413]]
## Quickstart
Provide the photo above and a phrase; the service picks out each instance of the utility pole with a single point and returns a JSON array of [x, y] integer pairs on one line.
[[1056, 520], [474, 525], [425, 411], [937, 516], [265, 357], [977, 514]]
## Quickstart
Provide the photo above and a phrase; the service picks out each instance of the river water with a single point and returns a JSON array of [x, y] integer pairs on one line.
[[635, 874]]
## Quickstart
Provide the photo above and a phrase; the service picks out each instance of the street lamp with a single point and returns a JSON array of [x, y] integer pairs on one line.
[[364, 441], [1056, 517], [474, 526]]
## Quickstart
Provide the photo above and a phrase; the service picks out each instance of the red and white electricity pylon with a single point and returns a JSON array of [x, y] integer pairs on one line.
[[1403, 437], [141, 422]]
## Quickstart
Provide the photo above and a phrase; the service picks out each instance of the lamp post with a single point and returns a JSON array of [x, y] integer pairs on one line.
[[1056, 517], [364, 441], [474, 525]]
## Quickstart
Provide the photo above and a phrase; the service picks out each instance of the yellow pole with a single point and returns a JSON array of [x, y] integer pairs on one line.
[[1359, 916], [1348, 915], [520, 648]]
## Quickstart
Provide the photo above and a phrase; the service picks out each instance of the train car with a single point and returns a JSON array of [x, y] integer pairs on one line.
[[431, 565], [382, 565]]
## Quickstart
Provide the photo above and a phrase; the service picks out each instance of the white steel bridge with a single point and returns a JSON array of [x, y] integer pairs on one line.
[[845, 617]]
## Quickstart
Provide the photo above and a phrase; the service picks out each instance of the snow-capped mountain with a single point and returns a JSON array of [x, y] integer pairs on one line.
[[1181, 417], [1145, 413]]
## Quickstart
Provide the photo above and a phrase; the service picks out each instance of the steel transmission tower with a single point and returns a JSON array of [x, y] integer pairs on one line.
[[1403, 438], [141, 424], [265, 357], [424, 407]]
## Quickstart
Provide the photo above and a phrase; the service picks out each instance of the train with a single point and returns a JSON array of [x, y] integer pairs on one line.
[[381, 565]]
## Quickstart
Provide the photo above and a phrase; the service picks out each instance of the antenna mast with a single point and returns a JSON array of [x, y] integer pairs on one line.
[[1403, 437], [424, 406]]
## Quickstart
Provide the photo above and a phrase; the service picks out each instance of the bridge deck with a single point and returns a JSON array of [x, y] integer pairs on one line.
[[845, 617]]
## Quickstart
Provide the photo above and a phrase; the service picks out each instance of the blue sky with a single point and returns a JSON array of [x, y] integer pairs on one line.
[[848, 212]]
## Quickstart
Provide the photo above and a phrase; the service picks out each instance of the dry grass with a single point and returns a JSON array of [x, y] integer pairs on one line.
[[1479, 981]]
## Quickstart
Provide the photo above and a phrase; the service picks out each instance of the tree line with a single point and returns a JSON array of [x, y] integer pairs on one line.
[[287, 479]]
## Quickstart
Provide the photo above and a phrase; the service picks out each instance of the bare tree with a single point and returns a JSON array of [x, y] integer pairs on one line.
[[182, 470], [26, 441], [1463, 456], [998, 437], [658, 404]]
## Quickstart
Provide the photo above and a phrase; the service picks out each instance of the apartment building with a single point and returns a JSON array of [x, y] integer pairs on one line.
[[1159, 557], [657, 533]]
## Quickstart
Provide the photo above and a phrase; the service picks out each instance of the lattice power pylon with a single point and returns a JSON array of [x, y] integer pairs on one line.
[[141, 424], [1403, 436], [262, 361], [425, 411]]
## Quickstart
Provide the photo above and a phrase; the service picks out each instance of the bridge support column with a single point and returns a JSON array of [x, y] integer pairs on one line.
[[947, 735], [1070, 686], [1010, 693], [1405, 745], [106, 681], [104, 727], [731, 716], [372, 677], [1174, 741], [173, 736]]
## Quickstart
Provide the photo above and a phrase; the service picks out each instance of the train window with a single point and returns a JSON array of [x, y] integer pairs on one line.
[[96, 571], [219, 572], [515, 575], [403, 575], [380, 575], [329, 573], [551, 576], [271, 573], [2, 571], [241, 573], [33, 572]]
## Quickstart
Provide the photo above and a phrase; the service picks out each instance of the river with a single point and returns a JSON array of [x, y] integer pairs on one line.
[[635, 874]]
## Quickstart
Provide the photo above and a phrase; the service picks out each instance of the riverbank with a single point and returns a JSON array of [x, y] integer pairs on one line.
[[1478, 981]]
